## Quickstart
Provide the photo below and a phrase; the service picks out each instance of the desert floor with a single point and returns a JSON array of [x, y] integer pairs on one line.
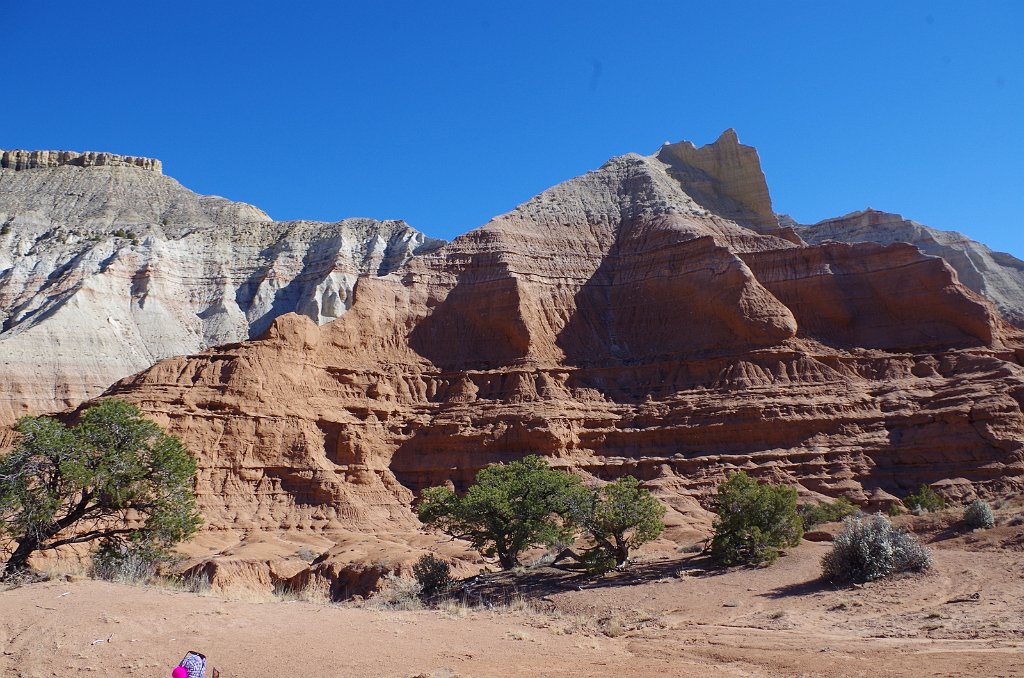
[[670, 616]]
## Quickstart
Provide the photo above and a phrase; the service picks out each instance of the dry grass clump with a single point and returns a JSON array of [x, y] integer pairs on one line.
[[397, 593]]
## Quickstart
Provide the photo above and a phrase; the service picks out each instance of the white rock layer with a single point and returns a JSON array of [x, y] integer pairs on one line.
[[108, 267]]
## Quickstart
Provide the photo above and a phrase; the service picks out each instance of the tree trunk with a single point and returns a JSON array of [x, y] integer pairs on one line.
[[19, 559], [621, 555]]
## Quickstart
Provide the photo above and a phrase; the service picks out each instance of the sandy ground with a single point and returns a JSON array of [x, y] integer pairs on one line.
[[670, 616]]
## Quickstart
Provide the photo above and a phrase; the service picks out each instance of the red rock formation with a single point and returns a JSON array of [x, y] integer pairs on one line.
[[617, 326]]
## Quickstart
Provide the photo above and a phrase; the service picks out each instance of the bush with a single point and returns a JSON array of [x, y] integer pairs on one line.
[[397, 593], [433, 574], [979, 515], [871, 548], [926, 500], [127, 562], [755, 521], [826, 512]]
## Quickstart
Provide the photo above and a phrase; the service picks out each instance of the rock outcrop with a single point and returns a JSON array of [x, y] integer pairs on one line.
[[107, 266], [725, 177], [22, 160], [997, 276], [618, 326]]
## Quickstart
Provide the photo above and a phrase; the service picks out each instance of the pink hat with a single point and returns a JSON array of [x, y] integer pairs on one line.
[[179, 672]]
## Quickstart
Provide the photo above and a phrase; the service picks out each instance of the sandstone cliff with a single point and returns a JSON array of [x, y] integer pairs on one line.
[[618, 325], [107, 266], [998, 276]]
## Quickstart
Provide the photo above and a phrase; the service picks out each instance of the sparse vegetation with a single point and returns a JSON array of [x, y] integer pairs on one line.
[[397, 593], [1016, 520], [509, 508], [126, 563], [755, 521], [115, 478], [978, 515], [433, 574], [870, 548], [5, 229], [925, 500], [826, 512]]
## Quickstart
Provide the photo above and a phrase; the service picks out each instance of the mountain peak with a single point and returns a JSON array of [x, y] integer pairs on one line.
[[724, 176]]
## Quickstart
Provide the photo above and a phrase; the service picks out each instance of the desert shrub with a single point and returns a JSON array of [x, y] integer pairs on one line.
[[397, 593], [925, 500], [870, 548], [5, 229], [1016, 520], [307, 554], [433, 574], [755, 521], [979, 515], [127, 562], [826, 512]]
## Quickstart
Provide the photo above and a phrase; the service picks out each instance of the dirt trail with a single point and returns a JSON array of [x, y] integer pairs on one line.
[[965, 618]]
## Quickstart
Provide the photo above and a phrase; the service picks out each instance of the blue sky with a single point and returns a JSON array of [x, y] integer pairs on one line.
[[447, 113]]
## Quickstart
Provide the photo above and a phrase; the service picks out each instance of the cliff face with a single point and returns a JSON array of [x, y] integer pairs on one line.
[[648, 318], [106, 266], [997, 276], [22, 160], [617, 325]]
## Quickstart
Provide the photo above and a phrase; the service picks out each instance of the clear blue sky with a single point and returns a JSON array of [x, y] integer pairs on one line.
[[447, 113]]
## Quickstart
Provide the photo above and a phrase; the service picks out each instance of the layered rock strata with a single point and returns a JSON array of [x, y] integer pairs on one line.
[[106, 266], [649, 318], [22, 160], [997, 276], [618, 326]]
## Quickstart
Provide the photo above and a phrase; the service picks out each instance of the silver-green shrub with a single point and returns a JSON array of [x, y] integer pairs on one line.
[[870, 548], [979, 515]]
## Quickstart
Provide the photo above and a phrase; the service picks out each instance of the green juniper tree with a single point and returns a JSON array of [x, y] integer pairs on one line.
[[617, 517], [114, 477], [755, 520], [509, 508]]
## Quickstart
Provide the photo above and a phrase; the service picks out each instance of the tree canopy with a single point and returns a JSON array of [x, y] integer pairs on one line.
[[509, 508], [114, 477], [617, 517], [514, 506]]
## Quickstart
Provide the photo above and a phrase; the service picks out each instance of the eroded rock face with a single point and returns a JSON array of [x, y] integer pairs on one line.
[[22, 160], [618, 326], [106, 266], [648, 318], [997, 276]]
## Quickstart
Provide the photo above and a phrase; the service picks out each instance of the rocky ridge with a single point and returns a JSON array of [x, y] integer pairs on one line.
[[107, 266], [997, 276], [22, 160], [618, 325]]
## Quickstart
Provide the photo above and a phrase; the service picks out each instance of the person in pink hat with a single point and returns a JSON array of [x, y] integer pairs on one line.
[[192, 666]]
